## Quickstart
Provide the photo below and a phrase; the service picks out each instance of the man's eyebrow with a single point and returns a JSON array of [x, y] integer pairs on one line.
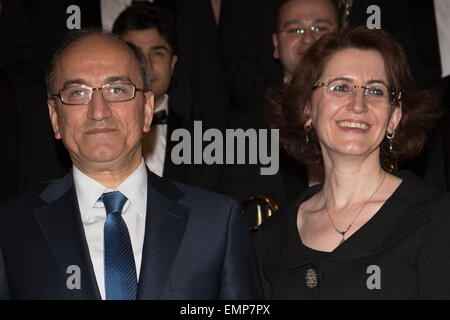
[[328, 21], [111, 79], [118, 79], [301, 22], [162, 47], [73, 81]]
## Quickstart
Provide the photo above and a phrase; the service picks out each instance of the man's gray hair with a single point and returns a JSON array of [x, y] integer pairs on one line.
[[76, 35]]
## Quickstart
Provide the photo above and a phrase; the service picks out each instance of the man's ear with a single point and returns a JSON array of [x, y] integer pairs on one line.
[[173, 63], [51, 103], [148, 110], [276, 53]]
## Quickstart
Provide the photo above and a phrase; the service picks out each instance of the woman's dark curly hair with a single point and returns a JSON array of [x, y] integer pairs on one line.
[[287, 107]]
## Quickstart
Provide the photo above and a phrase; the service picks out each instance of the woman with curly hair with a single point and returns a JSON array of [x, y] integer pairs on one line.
[[352, 106]]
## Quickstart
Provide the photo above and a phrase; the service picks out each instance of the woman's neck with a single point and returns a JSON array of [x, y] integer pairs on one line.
[[349, 181]]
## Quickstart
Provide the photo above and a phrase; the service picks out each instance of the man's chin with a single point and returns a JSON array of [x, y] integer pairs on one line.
[[100, 157]]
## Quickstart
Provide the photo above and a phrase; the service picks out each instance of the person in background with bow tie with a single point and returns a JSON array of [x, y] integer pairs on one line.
[[112, 229], [152, 29]]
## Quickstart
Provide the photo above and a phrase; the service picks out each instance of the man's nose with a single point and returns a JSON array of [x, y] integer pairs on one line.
[[98, 106], [308, 37], [150, 62]]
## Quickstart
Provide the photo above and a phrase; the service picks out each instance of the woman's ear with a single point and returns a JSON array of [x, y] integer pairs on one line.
[[307, 114], [396, 116]]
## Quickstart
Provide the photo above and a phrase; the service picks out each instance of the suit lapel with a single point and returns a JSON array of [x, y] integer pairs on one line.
[[172, 171], [165, 226], [61, 225]]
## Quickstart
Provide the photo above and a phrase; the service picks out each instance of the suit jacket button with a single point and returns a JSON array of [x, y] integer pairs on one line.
[[311, 278]]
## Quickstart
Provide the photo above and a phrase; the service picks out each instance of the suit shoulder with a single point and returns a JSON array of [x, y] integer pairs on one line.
[[23, 197], [192, 193]]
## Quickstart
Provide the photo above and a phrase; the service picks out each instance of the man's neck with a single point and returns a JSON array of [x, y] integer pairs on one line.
[[111, 175]]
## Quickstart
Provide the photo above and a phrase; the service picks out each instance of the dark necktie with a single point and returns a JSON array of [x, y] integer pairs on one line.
[[160, 117], [120, 269]]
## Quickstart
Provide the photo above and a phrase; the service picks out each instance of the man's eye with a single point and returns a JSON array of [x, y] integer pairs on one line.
[[117, 90], [158, 54], [296, 31], [321, 29], [76, 92]]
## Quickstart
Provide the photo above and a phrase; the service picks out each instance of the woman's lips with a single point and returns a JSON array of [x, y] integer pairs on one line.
[[353, 125]]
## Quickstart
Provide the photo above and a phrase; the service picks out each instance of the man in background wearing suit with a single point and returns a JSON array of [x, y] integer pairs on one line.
[[152, 29], [254, 35], [111, 229]]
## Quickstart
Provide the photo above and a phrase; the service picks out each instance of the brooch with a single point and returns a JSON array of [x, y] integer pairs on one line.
[[311, 278]]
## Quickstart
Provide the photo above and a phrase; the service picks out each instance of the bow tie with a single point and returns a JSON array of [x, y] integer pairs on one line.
[[160, 117]]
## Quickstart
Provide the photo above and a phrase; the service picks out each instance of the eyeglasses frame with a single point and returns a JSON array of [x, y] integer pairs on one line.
[[395, 96], [58, 95]]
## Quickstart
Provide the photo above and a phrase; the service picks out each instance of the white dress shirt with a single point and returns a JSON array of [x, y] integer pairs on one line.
[[93, 216], [110, 10], [442, 12], [155, 142]]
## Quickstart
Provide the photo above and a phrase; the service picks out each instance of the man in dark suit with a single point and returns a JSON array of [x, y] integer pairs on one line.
[[111, 229], [151, 28]]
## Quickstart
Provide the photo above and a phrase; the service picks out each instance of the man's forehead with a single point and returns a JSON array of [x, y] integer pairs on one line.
[[95, 45], [147, 37], [308, 21], [307, 10], [98, 57]]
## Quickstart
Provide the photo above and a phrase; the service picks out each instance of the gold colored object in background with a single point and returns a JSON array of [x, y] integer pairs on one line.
[[256, 209], [345, 8]]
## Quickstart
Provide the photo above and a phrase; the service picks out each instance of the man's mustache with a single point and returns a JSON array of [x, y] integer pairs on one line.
[[105, 123]]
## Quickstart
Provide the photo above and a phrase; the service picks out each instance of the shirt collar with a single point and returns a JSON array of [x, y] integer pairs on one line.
[[164, 105], [89, 190]]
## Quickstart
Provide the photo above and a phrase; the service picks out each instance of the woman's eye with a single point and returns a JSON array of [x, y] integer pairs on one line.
[[339, 87], [375, 91]]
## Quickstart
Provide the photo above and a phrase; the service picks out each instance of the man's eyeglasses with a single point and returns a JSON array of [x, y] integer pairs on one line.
[[376, 93], [82, 94], [300, 31]]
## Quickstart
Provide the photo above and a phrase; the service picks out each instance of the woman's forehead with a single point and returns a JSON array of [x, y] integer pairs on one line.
[[356, 64]]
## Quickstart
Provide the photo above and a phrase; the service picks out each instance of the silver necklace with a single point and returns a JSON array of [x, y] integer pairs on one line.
[[342, 233]]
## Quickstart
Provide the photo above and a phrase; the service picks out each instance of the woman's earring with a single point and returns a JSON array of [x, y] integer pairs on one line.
[[307, 129], [390, 137]]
